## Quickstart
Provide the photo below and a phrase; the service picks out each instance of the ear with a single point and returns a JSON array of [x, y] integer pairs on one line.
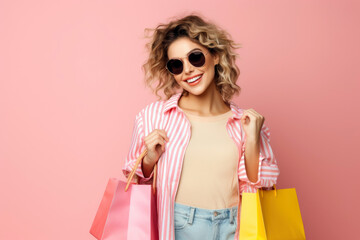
[[216, 59]]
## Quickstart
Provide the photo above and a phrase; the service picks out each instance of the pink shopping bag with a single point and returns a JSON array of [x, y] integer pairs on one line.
[[127, 211]]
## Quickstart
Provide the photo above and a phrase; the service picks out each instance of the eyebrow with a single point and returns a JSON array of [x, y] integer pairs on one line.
[[194, 50]]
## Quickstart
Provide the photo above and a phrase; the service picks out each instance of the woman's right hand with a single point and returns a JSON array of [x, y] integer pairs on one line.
[[155, 145]]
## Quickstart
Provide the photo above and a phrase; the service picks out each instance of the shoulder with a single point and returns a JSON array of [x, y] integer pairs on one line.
[[162, 106], [237, 110], [151, 110]]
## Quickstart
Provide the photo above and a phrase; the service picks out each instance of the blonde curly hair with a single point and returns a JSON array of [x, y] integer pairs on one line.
[[216, 40]]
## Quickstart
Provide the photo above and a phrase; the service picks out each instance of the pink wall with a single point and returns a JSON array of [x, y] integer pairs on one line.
[[71, 84]]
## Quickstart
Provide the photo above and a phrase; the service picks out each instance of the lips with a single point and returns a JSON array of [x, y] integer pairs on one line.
[[193, 83], [193, 77]]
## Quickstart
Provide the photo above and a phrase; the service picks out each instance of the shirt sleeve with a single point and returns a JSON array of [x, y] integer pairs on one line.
[[136, 148], [268, 170]]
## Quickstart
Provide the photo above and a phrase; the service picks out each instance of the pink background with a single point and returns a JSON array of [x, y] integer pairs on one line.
[[71, 84]]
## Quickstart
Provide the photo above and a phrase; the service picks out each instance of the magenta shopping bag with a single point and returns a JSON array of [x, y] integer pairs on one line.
[[127, 211]]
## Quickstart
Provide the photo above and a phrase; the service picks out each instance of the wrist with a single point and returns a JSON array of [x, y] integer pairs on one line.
[[252, 139], [147, 162]]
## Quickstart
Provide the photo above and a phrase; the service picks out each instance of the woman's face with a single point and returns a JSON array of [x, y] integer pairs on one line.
[[180, 48]]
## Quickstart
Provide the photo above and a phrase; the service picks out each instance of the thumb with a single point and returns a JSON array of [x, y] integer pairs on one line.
[[243, 120]]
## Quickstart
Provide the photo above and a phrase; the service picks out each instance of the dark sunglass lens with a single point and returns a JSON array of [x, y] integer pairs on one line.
[[175, 66], [197, 59]]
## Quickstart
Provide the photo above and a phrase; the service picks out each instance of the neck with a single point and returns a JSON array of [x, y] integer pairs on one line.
[[210, 103]]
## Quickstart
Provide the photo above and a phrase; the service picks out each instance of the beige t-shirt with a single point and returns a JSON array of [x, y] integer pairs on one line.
[[209, 173]]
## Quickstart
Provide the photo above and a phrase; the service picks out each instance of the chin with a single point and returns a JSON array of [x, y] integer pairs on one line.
[[196, 93]]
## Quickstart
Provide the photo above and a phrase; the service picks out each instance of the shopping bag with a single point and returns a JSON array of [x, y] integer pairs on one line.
[[127, 211], [271, 215]]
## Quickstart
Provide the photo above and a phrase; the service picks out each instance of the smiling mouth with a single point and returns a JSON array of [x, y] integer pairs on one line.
[[194, 79]]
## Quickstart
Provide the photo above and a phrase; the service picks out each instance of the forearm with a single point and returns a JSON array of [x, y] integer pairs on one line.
[[252, 154], [147, 167]]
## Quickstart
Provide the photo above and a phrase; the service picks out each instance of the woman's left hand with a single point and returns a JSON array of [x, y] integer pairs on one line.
[[252, 123]]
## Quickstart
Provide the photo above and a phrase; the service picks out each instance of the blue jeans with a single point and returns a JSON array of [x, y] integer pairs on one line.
[[193, 223]]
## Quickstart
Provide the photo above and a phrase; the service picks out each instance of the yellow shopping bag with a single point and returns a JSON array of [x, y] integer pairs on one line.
[[271, 215]]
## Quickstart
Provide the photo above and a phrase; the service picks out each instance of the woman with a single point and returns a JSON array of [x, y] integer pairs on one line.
[[207, 149]]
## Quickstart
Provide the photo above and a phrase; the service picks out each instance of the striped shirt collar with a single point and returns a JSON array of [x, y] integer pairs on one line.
[[172, 102]]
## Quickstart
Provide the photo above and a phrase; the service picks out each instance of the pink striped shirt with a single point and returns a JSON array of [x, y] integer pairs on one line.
[[167, 115]]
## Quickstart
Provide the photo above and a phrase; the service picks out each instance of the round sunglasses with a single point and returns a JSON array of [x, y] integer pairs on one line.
[[176, 65]]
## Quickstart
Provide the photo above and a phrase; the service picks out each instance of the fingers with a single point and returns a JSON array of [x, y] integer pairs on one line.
[[162, 133], [153, 141], [252, 115], [157, 136], [158, 132]]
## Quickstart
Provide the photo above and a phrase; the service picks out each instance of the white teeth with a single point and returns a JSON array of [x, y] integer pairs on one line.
[[193, 79]]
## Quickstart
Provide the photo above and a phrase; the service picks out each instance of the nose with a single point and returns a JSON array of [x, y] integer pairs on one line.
[[188, 68]]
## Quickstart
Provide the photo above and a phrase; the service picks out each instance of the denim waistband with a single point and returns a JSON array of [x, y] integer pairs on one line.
[[210, 214]]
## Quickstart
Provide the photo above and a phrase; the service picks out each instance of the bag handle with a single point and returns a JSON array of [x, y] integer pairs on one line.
[[132, 173], [274, 188]]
